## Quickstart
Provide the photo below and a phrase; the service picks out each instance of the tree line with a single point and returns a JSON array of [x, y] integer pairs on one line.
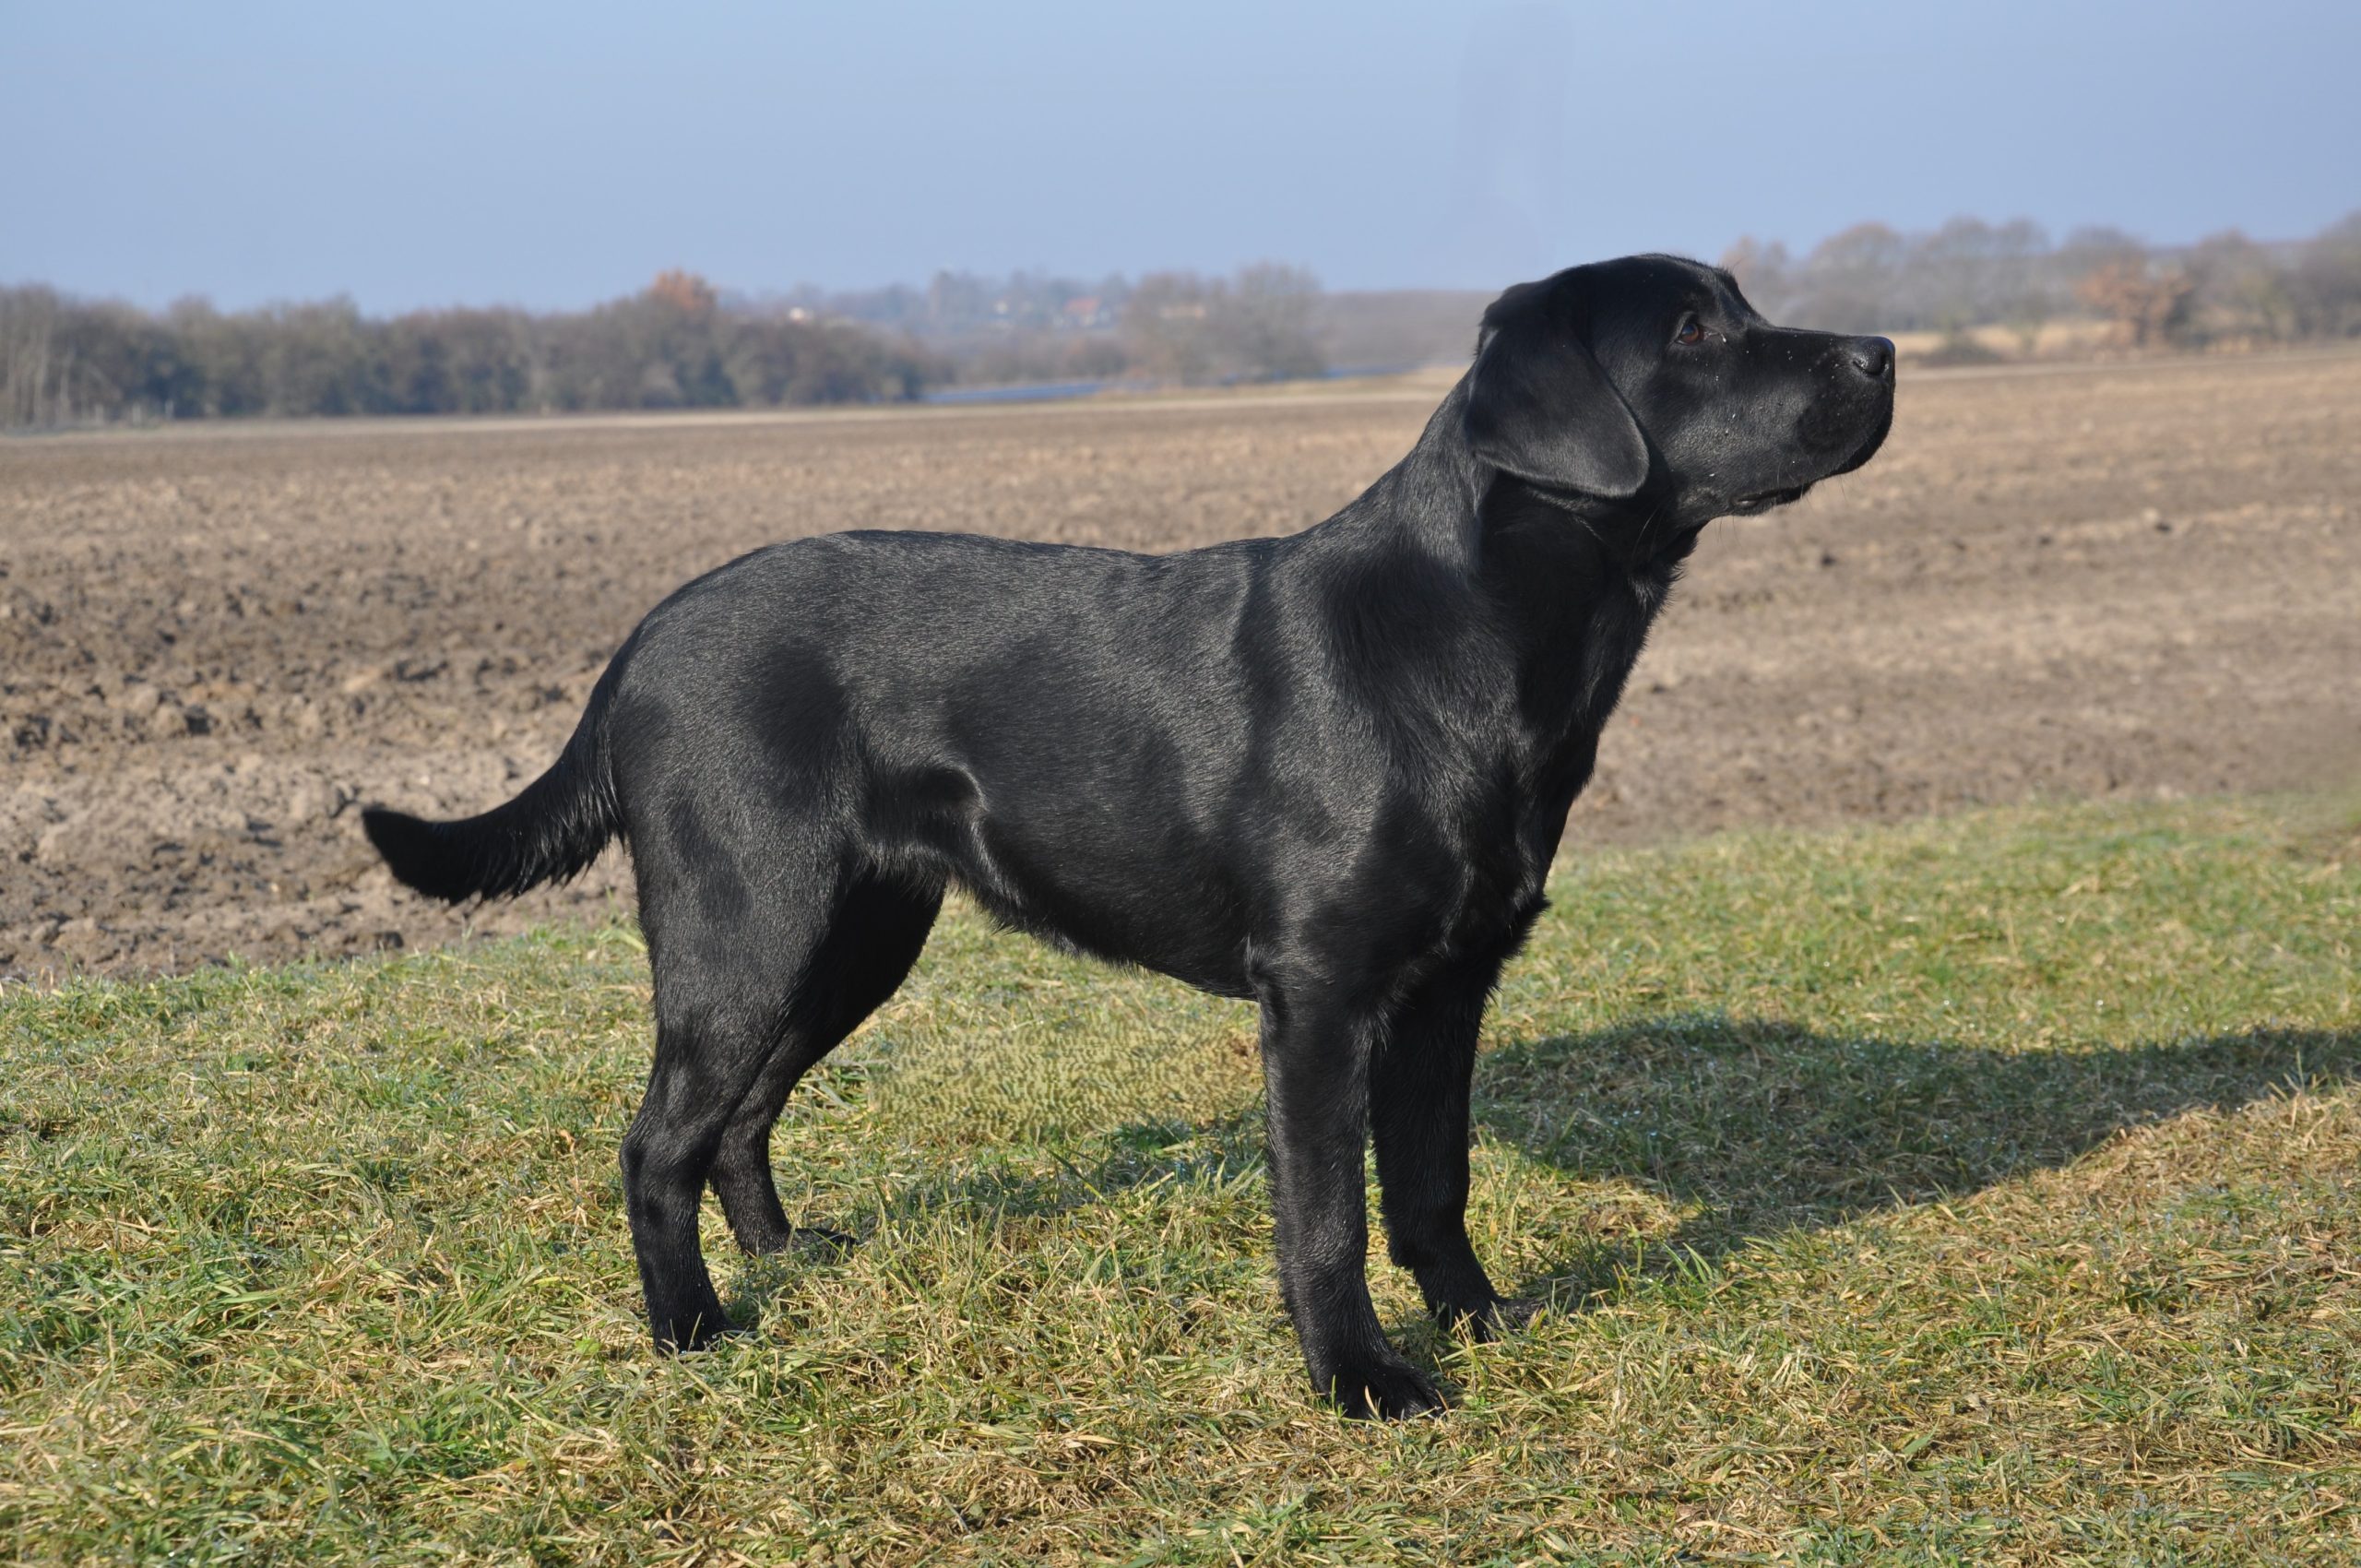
[[1259, 324], [680, 343], [64, 361], [1970, 273]]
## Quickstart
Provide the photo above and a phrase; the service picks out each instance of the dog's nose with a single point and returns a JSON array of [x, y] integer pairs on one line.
[[1873, 357]]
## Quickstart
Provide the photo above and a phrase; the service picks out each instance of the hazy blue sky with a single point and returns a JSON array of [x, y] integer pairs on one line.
[[555, 154]]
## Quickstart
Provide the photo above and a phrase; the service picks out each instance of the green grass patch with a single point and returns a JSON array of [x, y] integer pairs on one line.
[[1975, 1192]]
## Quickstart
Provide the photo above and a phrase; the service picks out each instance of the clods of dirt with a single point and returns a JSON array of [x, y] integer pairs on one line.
[[216, 641]]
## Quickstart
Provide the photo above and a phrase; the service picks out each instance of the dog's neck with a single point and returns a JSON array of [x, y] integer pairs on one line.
[[1441, 500], [1576, 602], [1547, 595]]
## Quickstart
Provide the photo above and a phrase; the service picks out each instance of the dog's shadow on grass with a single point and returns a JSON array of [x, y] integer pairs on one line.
[[1754, 1128], [1750, 1127]]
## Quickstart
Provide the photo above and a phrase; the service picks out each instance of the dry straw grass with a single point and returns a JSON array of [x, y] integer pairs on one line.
[[1978, 1192]]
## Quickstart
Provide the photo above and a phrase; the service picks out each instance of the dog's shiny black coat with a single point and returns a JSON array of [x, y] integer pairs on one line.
[[1327, 772]]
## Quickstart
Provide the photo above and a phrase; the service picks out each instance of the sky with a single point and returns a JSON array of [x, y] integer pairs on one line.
[[553, 155]]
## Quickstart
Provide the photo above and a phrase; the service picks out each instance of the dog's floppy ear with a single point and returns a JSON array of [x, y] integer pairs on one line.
[[1539, 406]]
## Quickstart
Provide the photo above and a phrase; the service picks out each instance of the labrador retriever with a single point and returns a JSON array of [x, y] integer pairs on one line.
[[1325, 772]]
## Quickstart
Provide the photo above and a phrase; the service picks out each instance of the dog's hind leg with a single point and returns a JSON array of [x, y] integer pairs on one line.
[[709, 1051], [875, 935], [745, 946]]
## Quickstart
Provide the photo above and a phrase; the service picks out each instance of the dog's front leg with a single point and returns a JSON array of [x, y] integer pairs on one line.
[[1315, 1059], [1418, 1090]]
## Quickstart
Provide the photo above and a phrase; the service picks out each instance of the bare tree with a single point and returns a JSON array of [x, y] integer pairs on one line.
[[2237, 291], [2325, 283], [1258, 326], [1261, 323], [2149, 305]]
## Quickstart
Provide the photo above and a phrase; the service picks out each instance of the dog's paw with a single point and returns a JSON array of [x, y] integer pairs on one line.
[[683, 1337], [818, 1242], [1495, 1319], [1499, 1318], [802, 1240], [1386, 1390]]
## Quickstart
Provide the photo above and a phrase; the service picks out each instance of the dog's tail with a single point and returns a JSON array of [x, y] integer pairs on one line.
[[550, 833]]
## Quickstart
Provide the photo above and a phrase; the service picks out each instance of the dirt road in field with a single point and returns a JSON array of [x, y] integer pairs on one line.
[[2089, 582]]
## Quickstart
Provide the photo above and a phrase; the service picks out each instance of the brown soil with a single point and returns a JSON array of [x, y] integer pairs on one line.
[[2123, 580]]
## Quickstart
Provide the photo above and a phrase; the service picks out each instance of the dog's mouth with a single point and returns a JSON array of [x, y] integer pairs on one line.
[[1762, 501], [1875, 438]]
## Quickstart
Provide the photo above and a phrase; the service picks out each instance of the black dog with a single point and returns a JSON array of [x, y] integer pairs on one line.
[[1327, 772]]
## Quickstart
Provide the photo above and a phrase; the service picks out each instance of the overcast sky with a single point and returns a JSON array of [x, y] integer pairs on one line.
[[554, 155]]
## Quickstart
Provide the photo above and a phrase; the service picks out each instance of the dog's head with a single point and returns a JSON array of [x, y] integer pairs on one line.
[[1651, 381]]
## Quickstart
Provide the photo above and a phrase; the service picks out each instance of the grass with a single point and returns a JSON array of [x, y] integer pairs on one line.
[[1979, 1192]]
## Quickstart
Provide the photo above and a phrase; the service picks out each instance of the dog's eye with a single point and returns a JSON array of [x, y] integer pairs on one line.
[[1691, 333]]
